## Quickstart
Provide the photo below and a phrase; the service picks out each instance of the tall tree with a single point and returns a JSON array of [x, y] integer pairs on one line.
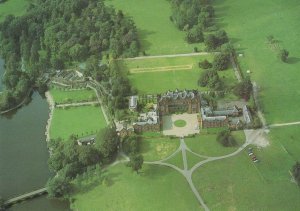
[[136, 162]]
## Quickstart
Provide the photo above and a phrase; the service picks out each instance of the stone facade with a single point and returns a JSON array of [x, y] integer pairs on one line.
[[179, 101]]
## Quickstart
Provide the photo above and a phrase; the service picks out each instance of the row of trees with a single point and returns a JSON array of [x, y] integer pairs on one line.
[[210, 77]]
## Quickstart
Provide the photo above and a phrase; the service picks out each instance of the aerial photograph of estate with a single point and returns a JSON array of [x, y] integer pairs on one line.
[[149, 105]]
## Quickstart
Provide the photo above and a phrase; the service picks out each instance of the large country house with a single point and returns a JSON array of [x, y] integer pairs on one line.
[[179, 101]]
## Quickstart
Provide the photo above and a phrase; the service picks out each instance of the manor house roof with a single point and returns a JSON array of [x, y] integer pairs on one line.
[[174, 95]]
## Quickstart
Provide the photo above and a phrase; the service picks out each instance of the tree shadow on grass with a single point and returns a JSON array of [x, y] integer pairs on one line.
[[293, 60], [155, 171], [143, 35], [145, 146]]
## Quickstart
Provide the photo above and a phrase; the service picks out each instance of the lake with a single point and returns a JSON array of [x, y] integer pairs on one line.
[[24, 154]]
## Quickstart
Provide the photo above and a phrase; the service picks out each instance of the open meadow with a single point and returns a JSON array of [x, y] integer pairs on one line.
[[158, 75], [206, 144], [62, 96], [239, 184], [81, 121], [13, 7], [158, 148], [153, 189], [279, 81], [157, 33]]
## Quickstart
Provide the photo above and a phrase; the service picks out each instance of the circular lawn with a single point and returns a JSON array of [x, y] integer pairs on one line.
[[180, 123]]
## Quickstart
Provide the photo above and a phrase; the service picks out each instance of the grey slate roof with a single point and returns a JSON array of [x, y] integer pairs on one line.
[[174, 95]]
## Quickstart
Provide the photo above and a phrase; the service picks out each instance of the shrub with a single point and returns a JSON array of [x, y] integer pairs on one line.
[[226, 139]]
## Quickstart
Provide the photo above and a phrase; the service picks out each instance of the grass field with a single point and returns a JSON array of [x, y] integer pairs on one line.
[[288, 137], [208, 145], [80, 121], [60, 96], [158, 75], [176, 160], [239, 184], [192, 159], [158, 148], [279, 81], [153, 189], [13, 7], [157, 33]]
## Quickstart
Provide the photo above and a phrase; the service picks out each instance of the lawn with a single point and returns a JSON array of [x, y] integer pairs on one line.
[[180, 123], [158, 148], [288, 137], [176, 160], [239, 184], [153, 189], [279, 81], [157, 33], [61, 96], [80, 121], [206, 144], [13, 7], [158, 75], [192, 159]]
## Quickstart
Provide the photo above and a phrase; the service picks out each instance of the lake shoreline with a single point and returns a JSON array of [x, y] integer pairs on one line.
[[51, 108]]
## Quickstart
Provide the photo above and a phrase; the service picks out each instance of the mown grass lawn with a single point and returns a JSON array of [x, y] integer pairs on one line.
[[153, 189], [239, 184], [289, 138], [73, 96], [176, 160], [151, 82], [13, 7], [157, 33], [81, 121], [279, 81], [192, 159], [206, 144], [158, 148]]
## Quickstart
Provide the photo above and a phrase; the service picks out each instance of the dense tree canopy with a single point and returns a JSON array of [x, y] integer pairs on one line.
[[193, 16], [210, 78], [244, 89], [54, 33]]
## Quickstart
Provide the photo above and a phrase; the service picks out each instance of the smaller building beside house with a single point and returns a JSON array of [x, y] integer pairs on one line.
[[86, 141], [147, 122], [247, 115], [220, 118], [208, 120], [124, 129], [133, 102]]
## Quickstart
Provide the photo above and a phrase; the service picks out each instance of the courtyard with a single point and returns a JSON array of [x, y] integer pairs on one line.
[[188, 125]]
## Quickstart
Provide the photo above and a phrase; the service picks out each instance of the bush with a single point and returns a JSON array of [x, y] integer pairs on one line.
[[205, 64], [296, 172], [226, 139], [283, 55], [131, 144], [221, 61]]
